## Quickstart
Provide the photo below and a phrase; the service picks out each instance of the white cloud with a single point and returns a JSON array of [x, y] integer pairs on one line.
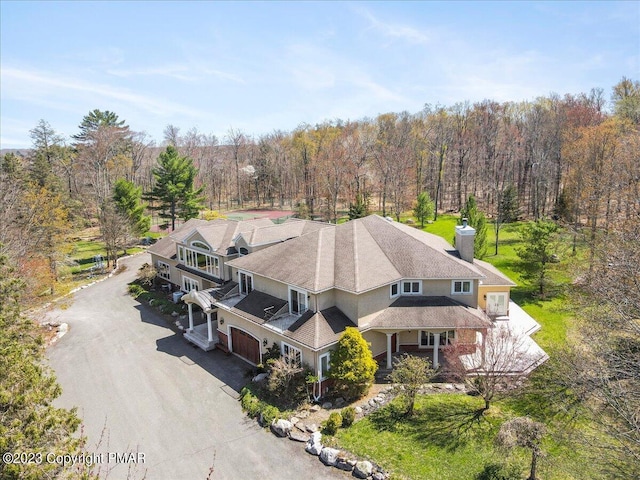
[[41, 88], [395, 30]]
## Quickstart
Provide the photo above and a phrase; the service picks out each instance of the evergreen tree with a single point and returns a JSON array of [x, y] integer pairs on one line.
[[96, 119], [174, 188], [477, 220], [539, 250], [30, 423], [128, 200], [352, 365], [359, 209], [508, 210], [424, 207]]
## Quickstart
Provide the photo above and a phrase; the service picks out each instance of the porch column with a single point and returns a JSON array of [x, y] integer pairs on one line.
[[389, 335], [190, 317], [436, 345], [209, 331]]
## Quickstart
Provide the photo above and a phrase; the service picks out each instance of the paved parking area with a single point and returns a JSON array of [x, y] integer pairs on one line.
[[140, 387]]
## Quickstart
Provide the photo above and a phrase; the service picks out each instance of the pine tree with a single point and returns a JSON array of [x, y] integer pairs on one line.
[[30, 423], [477, 220], [359, 209], [352, 365], [128, 200], [538, 253], [174, 189], [424, 207]]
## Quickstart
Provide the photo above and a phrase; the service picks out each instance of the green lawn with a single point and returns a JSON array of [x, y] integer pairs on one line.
[[447, 440]]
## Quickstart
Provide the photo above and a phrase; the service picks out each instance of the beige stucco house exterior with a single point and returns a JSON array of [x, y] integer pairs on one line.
[[300, 284]]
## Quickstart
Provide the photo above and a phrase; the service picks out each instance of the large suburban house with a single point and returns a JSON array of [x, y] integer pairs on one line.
[[300, 284]]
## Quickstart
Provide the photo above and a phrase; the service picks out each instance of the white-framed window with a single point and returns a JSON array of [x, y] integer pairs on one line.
[[291, 355], [325, 365], [497, 303], [427, 338], [394, 290], [297, 301], [411, 287], [461, 287], [448, 337], [199, 261], [200, 245], [164, 271], [245, 281], [189, 284]]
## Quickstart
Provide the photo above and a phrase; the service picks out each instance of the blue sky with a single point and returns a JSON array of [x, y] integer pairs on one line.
[[265, 66]]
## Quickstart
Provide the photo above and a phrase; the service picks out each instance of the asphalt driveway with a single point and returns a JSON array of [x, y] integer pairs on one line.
[[140, 387]]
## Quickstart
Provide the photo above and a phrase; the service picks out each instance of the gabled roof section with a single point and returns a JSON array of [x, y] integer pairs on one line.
[[291, 228], [166, 246], [319, 329], [220, 234], [358, 256]]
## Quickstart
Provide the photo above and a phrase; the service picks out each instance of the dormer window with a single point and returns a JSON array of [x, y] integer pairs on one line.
[[200, 245], [243, 251]]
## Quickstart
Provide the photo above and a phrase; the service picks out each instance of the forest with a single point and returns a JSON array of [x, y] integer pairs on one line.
[[572, 159]]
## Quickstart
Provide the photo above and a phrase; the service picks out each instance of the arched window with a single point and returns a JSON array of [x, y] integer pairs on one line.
[[200, 245]]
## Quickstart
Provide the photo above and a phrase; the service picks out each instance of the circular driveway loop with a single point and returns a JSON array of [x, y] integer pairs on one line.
[[140, 387]]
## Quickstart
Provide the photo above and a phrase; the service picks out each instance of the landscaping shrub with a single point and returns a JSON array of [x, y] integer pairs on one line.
[[352, 365], [286, 385], [136, 290], [348, 416], [331, 425], [250, 403], [269, 413]]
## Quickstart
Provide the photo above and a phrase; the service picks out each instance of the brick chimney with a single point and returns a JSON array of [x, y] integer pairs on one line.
[[465, 236]]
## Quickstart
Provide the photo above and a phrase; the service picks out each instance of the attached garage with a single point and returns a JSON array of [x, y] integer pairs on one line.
[[245, 345]]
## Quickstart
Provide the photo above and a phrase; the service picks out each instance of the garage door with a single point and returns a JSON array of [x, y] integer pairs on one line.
[[245, 345]]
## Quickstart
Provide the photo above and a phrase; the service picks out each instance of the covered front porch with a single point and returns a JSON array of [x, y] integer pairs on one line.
[[424, 325], [203, 335]]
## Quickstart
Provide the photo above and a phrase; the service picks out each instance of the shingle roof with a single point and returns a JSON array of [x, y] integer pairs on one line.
[[358, 256], [429, 312], [313, 329], [493, 276], [166, 246], [291, 228], [220, 234], [319, 329]]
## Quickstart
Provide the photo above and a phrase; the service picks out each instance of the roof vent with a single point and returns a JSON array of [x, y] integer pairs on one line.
[[388, 219]]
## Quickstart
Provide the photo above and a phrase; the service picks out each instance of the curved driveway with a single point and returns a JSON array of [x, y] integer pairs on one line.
[[140, 387]]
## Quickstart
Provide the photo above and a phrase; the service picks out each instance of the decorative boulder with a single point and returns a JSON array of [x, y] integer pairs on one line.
[[314, 447], [363, 469], [281, 427], [298, 436], [343, 463], [260, 377], [329, 456]]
